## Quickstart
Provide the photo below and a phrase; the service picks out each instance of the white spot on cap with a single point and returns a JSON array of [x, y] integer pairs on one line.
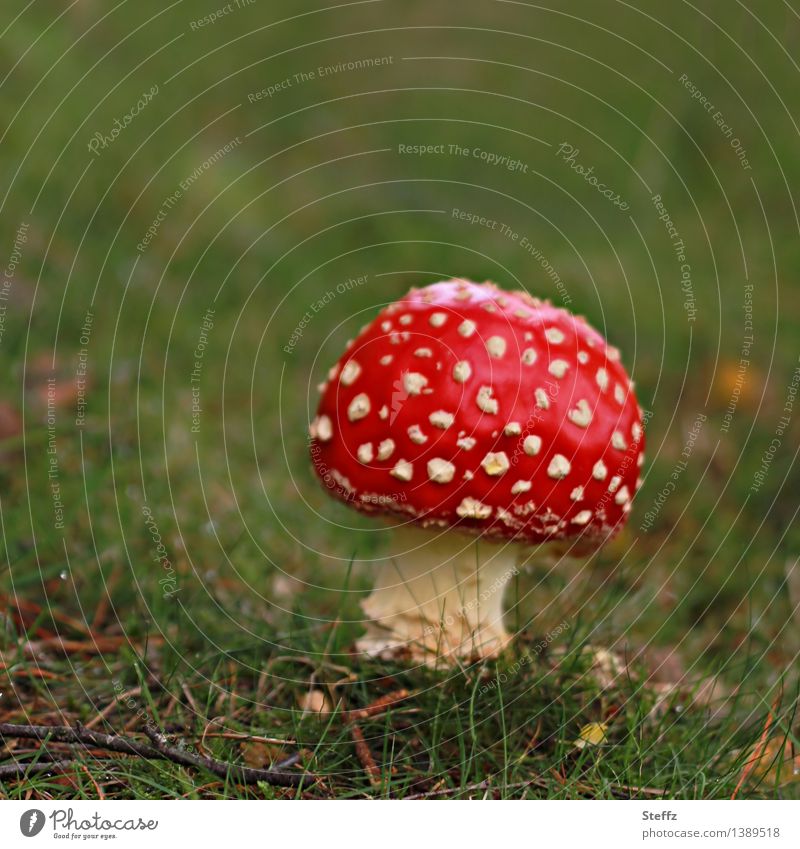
[[437, 319], [612, 353], [350, 372], [532, 445], [485, 401], [636, 431], [623, 496], [386, 359], [441, 419], [582, 518], [512, 429], [423, 352], [343, 482], [619, 394], [414, 382], [521, 486], [385, 449], [359, 407], [321, 428], [466, 442], [599, 471], [365, 453], [405, 319], [440, 471], [542, 401], [471, 508], [554, 335], [640, 461], [466, 328], [529, 356], [416, 435], [386, 326], [576, 494], [614, 483], [333, 371], [496, 346], [559, 467], [384, 412], [462, 371], [602, 379], [495, 463], [403, 470], [558, 368], [618, 441], [583, 357], [582, 414]]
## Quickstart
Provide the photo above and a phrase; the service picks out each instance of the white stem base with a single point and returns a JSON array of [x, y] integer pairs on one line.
[[439, 595]]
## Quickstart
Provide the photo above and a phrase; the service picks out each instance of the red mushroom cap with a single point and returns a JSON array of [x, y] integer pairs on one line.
[[464, 405]]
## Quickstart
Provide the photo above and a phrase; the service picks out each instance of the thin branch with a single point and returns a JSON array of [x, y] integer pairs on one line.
[[160, 750], [365, 756], [9, 772], [377, 707], [80, 735], [238, 774], [373, 709]]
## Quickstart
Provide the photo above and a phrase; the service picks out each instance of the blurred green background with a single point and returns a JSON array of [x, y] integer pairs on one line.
[[269, 164]]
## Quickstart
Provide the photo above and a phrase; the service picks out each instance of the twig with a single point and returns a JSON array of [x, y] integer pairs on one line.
[[486, 784], [365, 756], [101, 611], [81, 735], [373, 709], [8, 772], [20, 605], [239, 774], [136, 691], [16, 670], [160, 750], [250, 738], [377, 707]]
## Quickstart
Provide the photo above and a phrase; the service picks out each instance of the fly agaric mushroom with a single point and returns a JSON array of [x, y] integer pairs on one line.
[[466, 410]]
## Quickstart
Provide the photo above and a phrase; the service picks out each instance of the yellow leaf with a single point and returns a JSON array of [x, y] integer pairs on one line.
[[592, 734], [778, 763]]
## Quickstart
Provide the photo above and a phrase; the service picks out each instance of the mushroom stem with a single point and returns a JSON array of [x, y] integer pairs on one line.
[[439, 595]]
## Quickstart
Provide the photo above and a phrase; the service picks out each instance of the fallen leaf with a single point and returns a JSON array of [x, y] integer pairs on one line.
[[778, 764], [592, 734], [314, 701], [259, 755]]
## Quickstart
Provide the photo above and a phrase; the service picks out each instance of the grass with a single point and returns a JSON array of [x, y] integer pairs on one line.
[[253, 613]]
